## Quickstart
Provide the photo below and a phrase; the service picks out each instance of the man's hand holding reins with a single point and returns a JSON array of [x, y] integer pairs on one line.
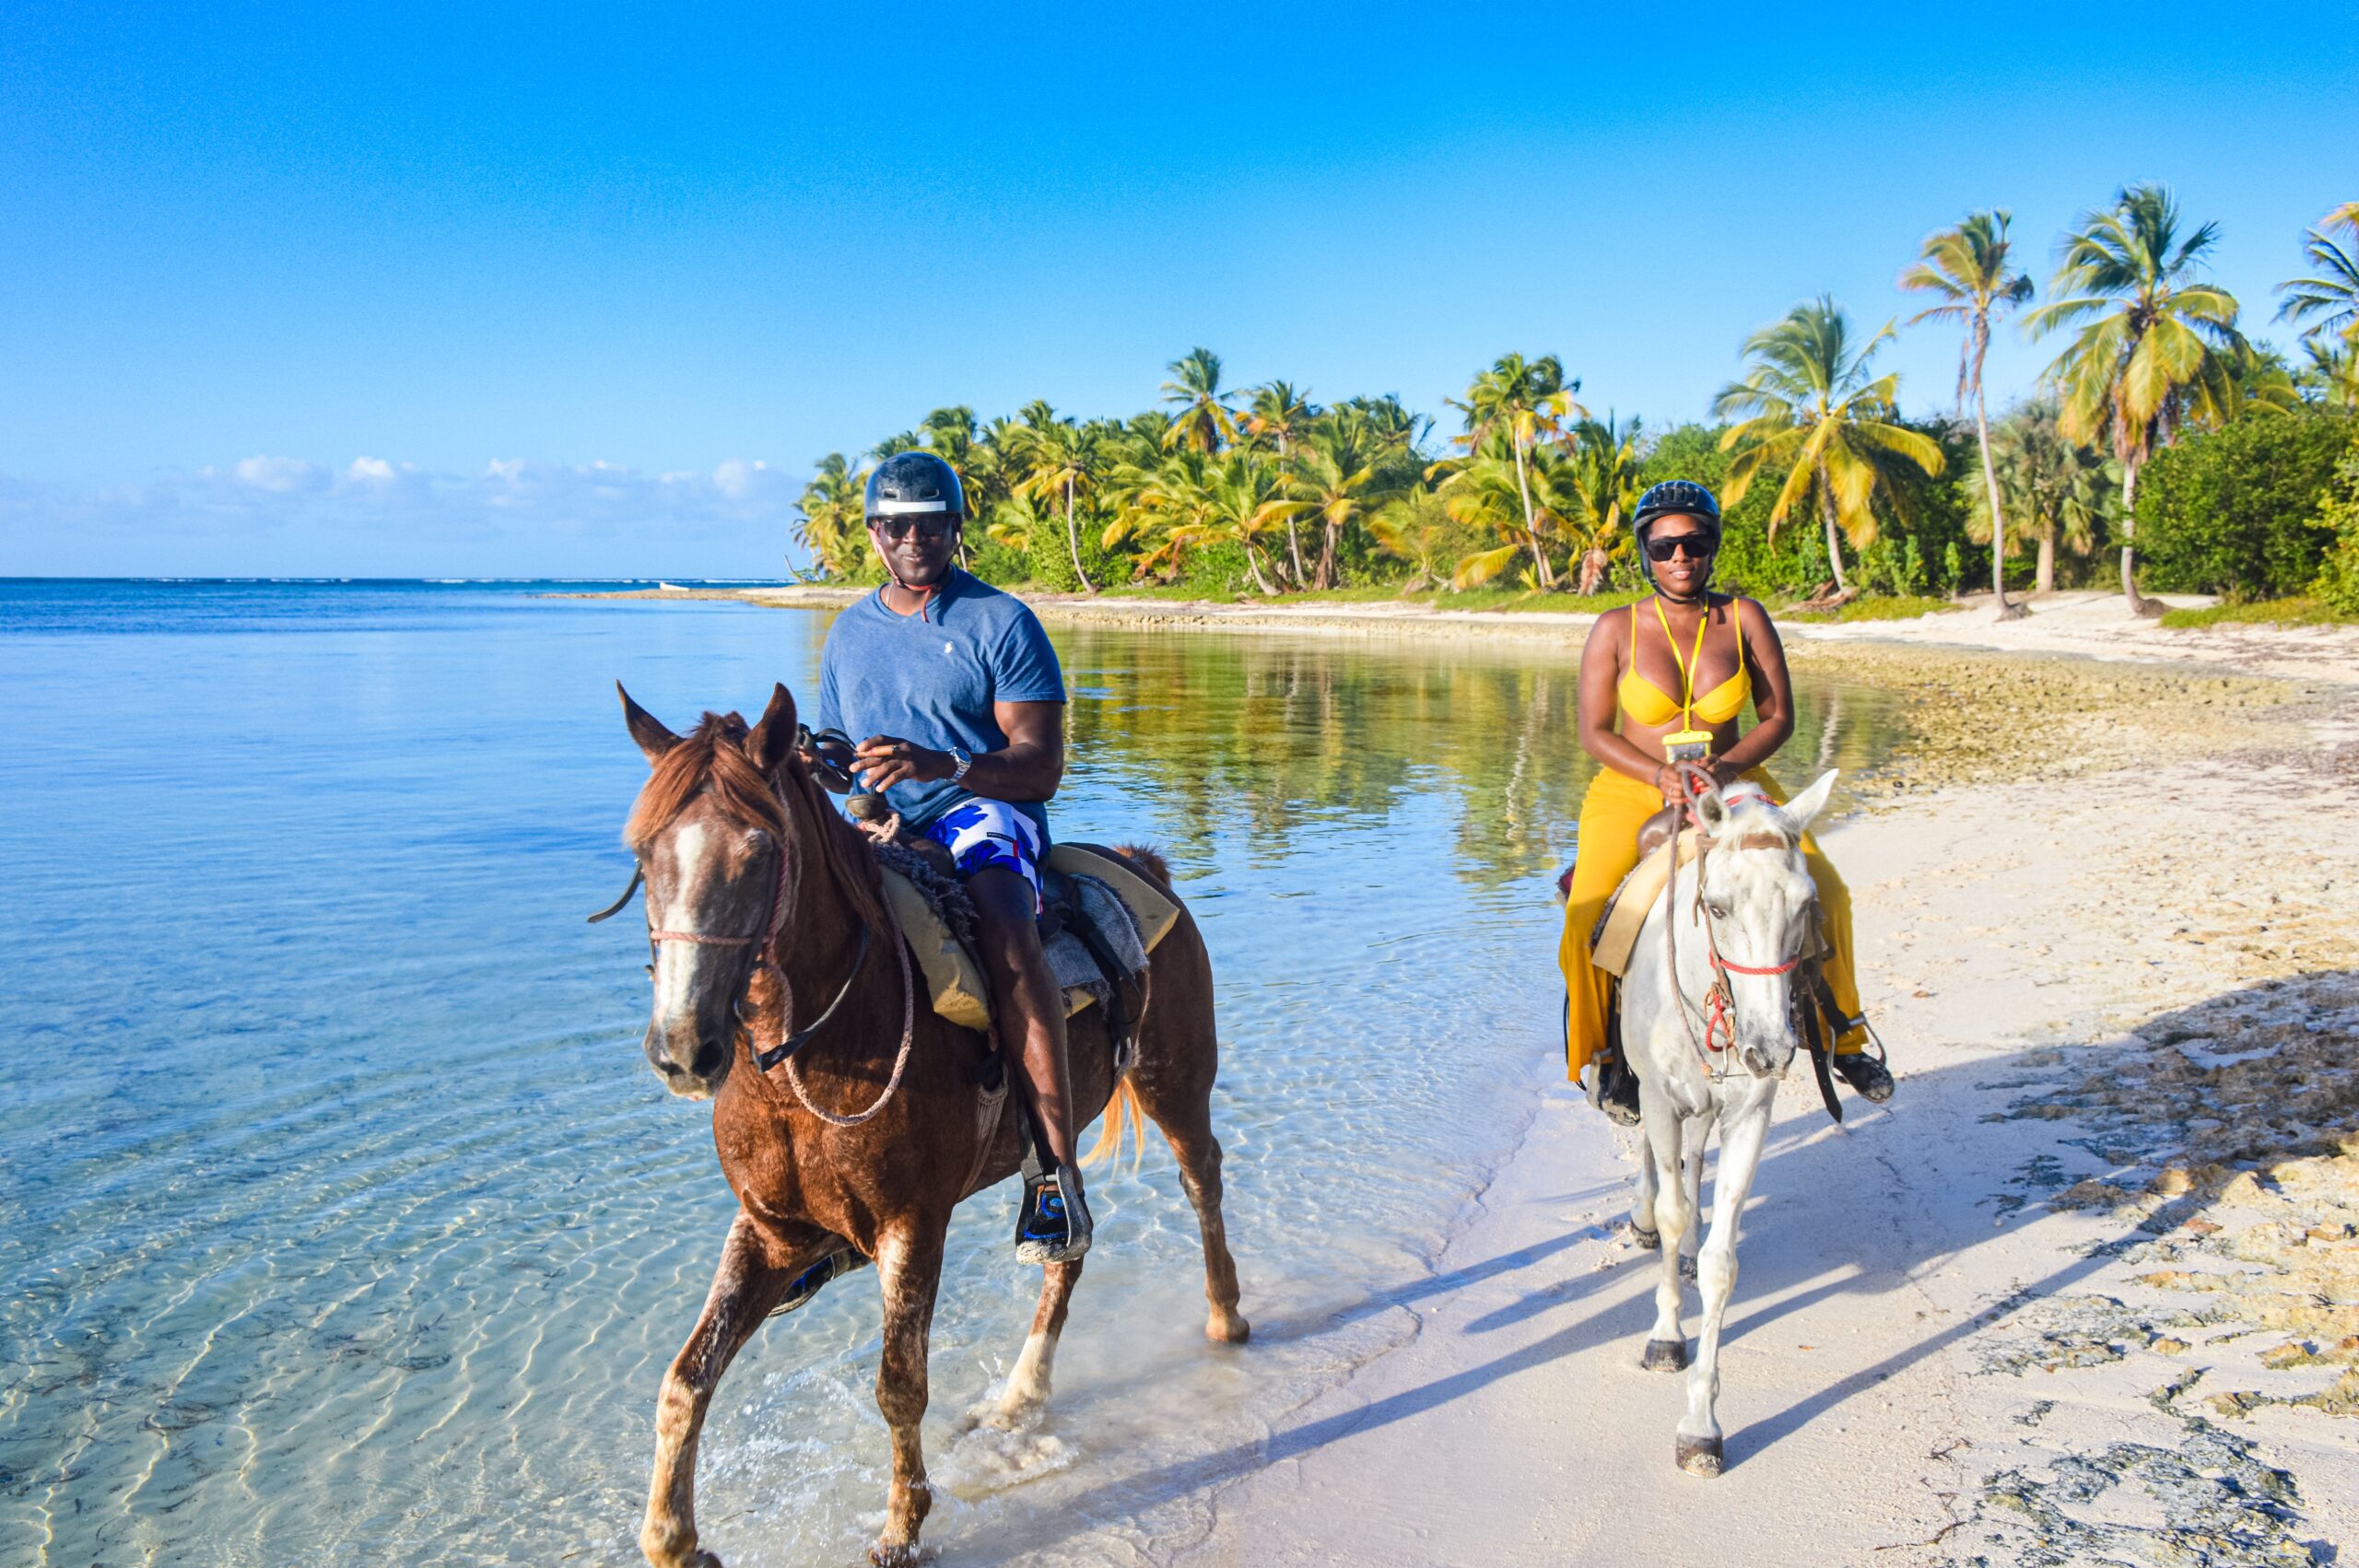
[[883, 761]]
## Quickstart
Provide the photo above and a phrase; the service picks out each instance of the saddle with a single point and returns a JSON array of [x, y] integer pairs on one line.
[[1104, 919]]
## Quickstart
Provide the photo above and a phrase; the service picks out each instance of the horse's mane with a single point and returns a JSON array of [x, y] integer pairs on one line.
[[713, 759]]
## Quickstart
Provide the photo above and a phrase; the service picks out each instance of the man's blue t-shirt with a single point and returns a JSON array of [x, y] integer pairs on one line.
[[932, 679]]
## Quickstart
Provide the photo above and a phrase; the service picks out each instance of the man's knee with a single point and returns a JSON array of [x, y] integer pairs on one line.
[[1004, 904]]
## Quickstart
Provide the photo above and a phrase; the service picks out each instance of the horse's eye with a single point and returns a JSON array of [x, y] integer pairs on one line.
[[1717, 911]]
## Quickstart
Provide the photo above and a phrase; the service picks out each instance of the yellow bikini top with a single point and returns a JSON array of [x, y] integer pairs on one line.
[[1648, 704]]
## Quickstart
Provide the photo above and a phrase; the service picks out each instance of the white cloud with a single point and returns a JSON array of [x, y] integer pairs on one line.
[[281, 515], [278, 475]]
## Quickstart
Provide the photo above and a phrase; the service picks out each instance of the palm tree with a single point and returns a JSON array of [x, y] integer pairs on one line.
[[1056, 457], [1279, 412], [1526, 399], [2328, 303], [1248, 503], [1413, 527], [2053, 490], [2155, 348], [829, 514], [1204, 422], [1605, 481], [1970, 269], [2334, 370], [1811, 411], [1342, 479]]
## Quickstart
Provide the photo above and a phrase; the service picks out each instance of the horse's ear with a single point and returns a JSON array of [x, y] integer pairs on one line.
[[646, 729], [1810, 801], [774, 736], [1711, 813]]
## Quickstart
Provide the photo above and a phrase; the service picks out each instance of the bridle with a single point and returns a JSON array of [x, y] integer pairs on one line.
[[1720, 1021], [765, 943]]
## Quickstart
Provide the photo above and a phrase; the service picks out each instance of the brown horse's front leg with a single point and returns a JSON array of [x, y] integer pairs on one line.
[[752, 1279], [909, 1266]]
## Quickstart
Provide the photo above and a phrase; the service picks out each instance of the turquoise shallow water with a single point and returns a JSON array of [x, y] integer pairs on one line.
[[341, 1220]]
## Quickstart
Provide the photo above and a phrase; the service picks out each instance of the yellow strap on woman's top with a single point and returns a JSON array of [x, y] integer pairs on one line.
[[1687, 666]]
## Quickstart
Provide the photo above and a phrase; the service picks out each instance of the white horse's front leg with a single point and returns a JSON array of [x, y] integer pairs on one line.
[[1741, 1141], [1666, 1345], [1642, 1207], [1691, 1144]]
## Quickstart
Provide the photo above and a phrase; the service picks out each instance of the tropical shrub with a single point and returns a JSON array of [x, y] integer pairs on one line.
[[2236, 512], [2338, 582]]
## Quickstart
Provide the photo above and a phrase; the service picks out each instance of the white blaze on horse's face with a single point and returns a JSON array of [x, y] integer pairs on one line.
[[707, 877]]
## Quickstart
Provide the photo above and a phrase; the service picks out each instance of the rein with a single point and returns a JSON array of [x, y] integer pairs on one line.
[[766, 940], [1720, 1022]]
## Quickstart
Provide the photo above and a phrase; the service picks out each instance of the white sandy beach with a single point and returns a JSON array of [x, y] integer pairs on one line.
[[1937, 1353]]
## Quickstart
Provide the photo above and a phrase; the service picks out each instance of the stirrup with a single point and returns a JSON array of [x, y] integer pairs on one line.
[[1614, 1089], [1868, 1076], [833, 1266], [1053, 1222]]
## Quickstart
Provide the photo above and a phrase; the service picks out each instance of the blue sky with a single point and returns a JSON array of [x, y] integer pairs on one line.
[[578, 291]]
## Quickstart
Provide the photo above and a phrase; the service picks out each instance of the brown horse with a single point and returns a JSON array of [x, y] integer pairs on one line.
[[754, 884]]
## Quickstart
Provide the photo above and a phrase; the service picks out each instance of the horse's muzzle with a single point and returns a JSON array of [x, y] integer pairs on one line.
[[700, 1074]]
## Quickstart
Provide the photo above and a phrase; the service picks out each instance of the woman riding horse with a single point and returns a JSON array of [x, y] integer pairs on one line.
[[1662, 684]]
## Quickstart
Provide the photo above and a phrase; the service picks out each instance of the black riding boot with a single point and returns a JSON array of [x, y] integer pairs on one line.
[[1864, 1073], [1614, 1089], [1053, 1222]]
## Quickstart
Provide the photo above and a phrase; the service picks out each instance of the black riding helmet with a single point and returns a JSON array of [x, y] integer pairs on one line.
[[1684, 496], [912, 483]]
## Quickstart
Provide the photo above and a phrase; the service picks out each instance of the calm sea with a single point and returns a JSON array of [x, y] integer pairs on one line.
[[341, 1220]]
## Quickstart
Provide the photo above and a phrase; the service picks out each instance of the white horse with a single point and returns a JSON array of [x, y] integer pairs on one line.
[[1709, 1024]]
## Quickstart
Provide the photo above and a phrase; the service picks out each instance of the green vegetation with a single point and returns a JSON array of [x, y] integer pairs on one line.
[[2299, 612], [2159, 427]]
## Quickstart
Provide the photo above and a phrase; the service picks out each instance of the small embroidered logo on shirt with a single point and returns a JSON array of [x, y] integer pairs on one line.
[[948, 647]]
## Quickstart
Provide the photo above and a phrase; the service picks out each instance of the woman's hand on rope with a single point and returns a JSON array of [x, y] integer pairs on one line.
[[884, 761]]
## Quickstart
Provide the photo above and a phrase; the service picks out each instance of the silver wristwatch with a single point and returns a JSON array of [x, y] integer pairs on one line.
[[966, 760]]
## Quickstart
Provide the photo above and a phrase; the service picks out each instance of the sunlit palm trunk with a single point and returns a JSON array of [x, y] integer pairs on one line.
[[1990, 482], [1834, 535], [1531, 528], [1326, 578], [2045, 581], [1072, 541], [1253, 565]]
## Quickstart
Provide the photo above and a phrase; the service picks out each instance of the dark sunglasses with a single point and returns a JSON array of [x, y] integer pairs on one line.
[[1696, 546], [926, 525]]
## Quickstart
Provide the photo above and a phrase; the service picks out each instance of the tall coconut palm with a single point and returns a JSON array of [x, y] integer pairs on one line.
[[2152, 349], [1971, 270], [2328, 304], [2053, 489], [1605, 476], [827, 516], [1204, 422], [1248, 505], [1056, 457], [1278, 413], [1812, 415], [1525, 398], [1413, 528], [1339, 471]]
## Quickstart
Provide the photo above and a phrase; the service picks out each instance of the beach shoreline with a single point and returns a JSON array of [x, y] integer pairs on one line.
[[2077, 624]]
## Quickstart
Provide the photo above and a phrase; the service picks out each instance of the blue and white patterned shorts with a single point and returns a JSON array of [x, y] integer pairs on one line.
[[982, 833]]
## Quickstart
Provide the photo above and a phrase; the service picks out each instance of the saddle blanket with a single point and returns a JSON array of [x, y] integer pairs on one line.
[[1130, 914], [1615, 935]]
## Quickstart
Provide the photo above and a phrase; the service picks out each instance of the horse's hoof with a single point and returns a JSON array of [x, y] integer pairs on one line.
[[1647, 1241], [1665, 1355], [903, 1556], [1700, 1456], [1688, 1267], [1227, 1328]]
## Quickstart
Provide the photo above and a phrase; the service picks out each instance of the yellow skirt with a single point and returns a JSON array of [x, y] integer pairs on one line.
[[1612, 813]]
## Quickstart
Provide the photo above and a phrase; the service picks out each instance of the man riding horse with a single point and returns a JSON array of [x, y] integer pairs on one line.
[[1661, 685], [960, 695]]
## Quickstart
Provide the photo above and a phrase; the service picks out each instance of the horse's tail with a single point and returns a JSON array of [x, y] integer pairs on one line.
[[1149, 860], [1123, 1107]]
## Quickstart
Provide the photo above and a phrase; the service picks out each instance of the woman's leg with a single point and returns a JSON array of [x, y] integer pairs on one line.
[[1612, 813]]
